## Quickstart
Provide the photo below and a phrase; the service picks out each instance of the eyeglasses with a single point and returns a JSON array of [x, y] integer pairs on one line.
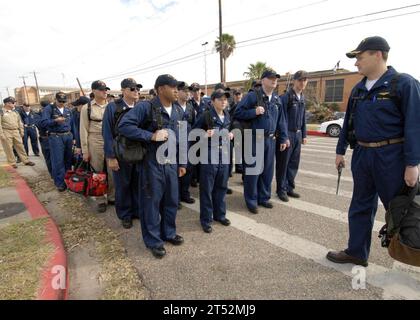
[[135, 89]]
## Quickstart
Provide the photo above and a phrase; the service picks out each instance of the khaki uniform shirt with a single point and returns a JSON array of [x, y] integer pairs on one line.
[[91, 127], [10, 120]]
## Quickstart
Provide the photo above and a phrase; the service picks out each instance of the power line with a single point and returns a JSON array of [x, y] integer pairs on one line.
[[203, 35], [327, 23], [275, 13], [327, 29], [145, 69], [200, 54]]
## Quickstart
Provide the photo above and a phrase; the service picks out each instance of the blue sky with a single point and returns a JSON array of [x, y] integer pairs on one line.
[[97, 39]]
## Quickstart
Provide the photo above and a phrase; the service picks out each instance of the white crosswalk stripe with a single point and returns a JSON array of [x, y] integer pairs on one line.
[[396, 284], [316, 209]]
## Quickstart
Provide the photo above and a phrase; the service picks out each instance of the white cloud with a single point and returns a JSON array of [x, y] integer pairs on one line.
[[95, 39]]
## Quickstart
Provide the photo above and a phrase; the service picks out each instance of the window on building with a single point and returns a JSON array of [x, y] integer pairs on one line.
[[334, 90]]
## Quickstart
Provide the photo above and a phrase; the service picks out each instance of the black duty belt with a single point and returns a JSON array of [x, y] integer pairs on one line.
[[380, 143], [295, 131]]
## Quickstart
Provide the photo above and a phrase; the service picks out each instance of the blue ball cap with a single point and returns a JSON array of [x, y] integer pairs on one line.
[[370, 43]]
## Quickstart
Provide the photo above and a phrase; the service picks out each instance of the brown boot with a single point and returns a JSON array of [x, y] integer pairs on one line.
[[342, 257]]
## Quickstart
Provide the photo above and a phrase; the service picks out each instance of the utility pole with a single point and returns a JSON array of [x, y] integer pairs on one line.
[[8, 93], [220, 40], [205, 66], [37, 87], [24, 87]]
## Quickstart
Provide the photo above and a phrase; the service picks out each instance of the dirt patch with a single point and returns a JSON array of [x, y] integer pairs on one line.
[[23, 255], [86, 235]]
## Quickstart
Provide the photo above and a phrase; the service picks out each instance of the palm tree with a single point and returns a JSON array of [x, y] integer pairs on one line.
[[227, 47], [255, 72]]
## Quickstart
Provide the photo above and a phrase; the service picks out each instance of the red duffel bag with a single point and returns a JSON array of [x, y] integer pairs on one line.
[[84, 180]]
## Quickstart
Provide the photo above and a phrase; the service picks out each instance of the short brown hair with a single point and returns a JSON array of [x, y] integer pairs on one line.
[[384, 54]]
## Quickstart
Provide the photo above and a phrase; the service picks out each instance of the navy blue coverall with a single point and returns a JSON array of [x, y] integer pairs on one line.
[[214, 175], [60, 138], [159, 181], [257, 188], [43, 140], [126, 179], [287, 161], [185, 181], [29, 123], [379, 170]]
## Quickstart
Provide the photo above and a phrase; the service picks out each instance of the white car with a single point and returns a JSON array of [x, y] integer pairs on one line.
[[332, 128]]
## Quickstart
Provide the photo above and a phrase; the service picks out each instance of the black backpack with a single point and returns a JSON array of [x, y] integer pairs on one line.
[[133, 151], [246, 124], [208, 120], [403, 218]]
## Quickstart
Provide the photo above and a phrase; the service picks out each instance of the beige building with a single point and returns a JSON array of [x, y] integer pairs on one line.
[[326, 86], [48, 93]]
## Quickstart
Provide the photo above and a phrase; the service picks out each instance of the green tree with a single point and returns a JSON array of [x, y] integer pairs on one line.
[[255, 72], [227, 46]]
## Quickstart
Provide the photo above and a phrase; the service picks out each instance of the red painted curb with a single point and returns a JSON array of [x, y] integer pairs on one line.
[[316, 133], [54, 277]]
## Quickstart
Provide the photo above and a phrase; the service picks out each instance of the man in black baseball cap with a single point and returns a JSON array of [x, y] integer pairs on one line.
[[300, 75], [99, 85], [165, 80], [195, 86], [61, 97], [371, 43], [130, 83], [9, 100], [258, 108], [270, 74], [159, 189], [382, 122]]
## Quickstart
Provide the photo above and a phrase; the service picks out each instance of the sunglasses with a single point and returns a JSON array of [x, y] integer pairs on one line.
[[135, 89]]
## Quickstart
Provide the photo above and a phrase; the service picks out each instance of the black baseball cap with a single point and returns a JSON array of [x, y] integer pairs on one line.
[[237, 91], [219, 93], [270, 74], [166, 80], [61, 97], [44, 103], [255, 84], [301, 74], [370, 43], [183, 86], [221, 86], [9, 100], [99, 85], [81, 101], [130, 83], [195, 86]]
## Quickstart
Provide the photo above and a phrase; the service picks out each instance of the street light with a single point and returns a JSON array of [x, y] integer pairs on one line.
[[205, 66]]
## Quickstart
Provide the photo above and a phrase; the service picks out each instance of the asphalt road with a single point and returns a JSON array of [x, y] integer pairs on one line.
[[276, 254]]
